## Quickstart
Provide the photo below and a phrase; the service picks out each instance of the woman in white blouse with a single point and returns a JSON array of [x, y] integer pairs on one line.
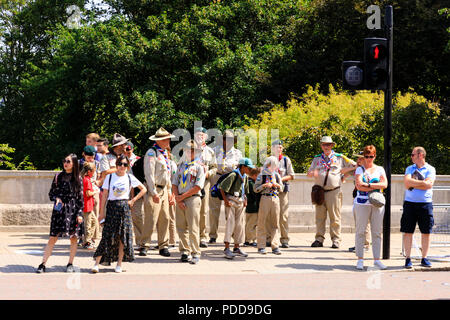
[[368, 178]]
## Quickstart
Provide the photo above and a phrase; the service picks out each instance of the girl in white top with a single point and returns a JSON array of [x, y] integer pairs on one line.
[[372, 177], [117, 235]]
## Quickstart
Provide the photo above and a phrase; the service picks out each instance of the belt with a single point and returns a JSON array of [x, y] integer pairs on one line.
[[332, 189], [162, 187], [269, 195]]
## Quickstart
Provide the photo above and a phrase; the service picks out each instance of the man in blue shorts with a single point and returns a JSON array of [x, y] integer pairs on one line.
[[418, 206]]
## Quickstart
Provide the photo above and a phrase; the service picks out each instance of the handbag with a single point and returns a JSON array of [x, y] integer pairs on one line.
[[376, 198], [318, 192]]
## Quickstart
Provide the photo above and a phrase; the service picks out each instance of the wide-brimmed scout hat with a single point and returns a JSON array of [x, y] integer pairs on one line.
[[161, 134], [327, 139], [118, 140], [246, 162]]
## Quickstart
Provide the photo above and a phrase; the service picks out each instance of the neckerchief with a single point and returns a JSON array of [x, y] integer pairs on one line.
[[274, 191], [166, 158], [326, 164], [185, 173], [243, 181], [280, 157]]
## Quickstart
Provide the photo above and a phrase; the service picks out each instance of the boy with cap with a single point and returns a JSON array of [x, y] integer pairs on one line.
[[187, 184], [227, 157], [88, 157], [234, 189]]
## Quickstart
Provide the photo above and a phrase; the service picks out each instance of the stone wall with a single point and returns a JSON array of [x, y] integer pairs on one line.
[[24, 200]]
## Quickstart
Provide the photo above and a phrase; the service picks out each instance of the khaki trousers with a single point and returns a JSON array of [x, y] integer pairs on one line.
[[187, 222], [204, 210], [269, 209], [332, 205], [367, 232], [90, 225], [364, 214], [235, 222], [251, 220], [214, 211], [156, 217], [284, 218], [138, 221], [172, 211]]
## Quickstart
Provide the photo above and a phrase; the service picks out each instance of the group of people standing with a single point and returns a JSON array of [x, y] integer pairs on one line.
[[125, 197]]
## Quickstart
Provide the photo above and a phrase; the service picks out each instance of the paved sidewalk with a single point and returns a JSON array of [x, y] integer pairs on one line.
[[300, 272], [22, 253]]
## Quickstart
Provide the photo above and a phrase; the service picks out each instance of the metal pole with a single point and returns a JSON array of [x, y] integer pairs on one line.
[[388, 134]]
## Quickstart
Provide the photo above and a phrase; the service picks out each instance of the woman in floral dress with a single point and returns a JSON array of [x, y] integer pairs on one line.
[[67, 215]]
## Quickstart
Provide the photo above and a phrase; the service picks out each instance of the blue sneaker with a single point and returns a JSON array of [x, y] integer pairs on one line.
[[425, 263], [408, 263]]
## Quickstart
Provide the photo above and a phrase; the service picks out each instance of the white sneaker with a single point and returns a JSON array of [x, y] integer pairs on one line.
[[378, 264], [118, 269], [94, 269], [360, 264]]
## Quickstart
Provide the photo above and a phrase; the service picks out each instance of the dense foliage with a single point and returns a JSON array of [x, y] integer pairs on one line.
[[153, 63]]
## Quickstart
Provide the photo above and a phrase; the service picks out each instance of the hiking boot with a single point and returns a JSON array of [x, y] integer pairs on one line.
[[212, 240], [276, 251], [185, 258], [262, 251], [143, 252], [203, 244]]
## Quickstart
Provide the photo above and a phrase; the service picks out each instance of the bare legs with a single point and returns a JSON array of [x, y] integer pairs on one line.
[[51, 244]]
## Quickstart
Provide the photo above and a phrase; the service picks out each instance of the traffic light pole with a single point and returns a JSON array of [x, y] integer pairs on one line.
[[388, 135]]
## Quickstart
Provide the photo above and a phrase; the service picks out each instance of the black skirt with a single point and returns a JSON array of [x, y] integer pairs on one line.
[[118, 227]]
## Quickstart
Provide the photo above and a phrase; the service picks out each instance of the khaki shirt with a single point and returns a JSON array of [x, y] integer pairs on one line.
[[258, 188], [155, 171], [107, 162], [285, 167], [338, 162], [227, 162], [195, 177], [207, 157]]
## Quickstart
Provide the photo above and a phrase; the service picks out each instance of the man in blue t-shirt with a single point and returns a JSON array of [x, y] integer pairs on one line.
[[418, 206]]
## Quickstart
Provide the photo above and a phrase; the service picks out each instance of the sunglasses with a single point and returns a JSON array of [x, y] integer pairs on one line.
[[67, 161], [369, 157], [125, 164]]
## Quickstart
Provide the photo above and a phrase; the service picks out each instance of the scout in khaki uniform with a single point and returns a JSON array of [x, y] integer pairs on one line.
[[187, 184], [234, 189], [157, 171], [333, 164], [287, 173], [227, 160], [207, 158], [269, 185]]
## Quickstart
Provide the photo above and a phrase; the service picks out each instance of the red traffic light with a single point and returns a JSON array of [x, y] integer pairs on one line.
[[377, 52]]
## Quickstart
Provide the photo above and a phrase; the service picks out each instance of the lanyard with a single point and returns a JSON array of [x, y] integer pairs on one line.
[[243, 181]]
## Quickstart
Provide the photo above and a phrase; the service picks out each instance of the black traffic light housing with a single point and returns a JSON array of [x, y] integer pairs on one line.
[[353, 75], [376, 63]]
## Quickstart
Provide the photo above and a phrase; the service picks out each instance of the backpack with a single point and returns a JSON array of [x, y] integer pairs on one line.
[[215, 192], [138, 168]]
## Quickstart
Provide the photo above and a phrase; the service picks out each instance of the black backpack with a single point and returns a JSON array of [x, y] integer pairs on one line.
[[138, 168], [215, 192]]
